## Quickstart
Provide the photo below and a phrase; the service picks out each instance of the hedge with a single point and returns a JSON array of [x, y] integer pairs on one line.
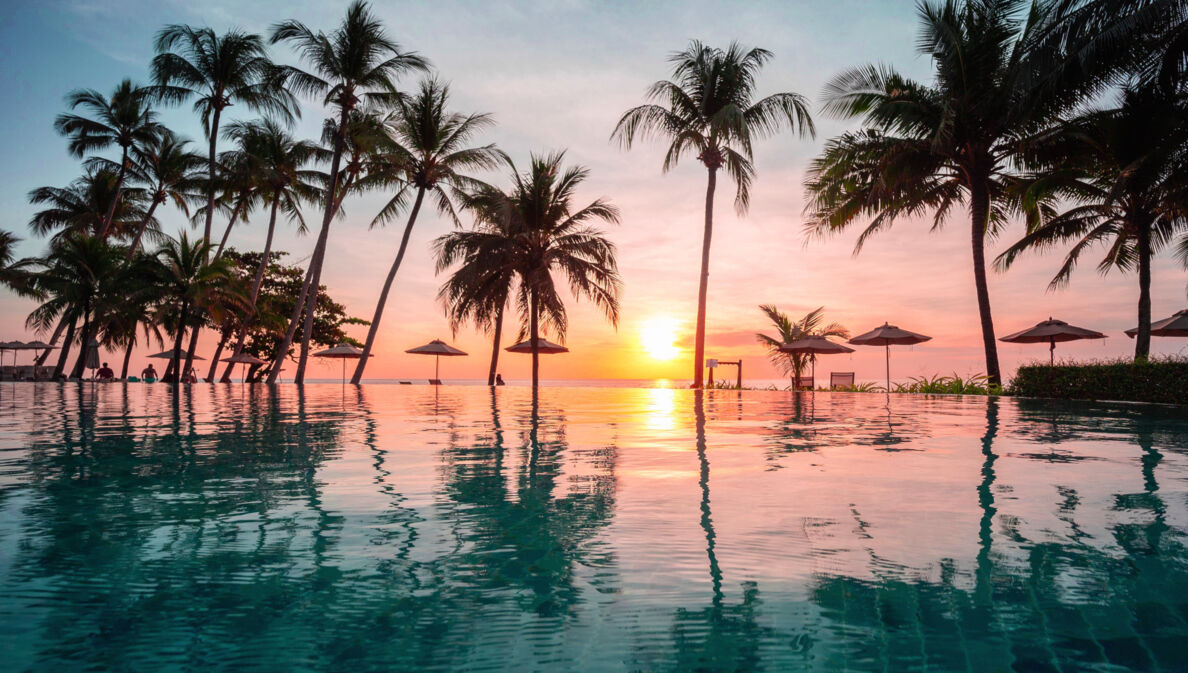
[[1162, 380]]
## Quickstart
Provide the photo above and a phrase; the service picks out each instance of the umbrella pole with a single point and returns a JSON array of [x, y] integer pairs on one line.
[[887, 348], [1052, 352], [437, 368]]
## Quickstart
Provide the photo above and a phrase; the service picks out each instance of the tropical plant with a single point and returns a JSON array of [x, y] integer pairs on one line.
[[709, 107], [547, 234], [277, 161], [169, 172], [356, 63], [82, 207], [15, 274], [429, 150], [125, 120], [813, 323], [1002, 73], [191, 284], [977, 384], [1123, 172], [218, 71]]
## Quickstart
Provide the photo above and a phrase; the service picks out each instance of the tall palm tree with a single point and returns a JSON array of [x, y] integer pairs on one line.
[[709, 107], [793, 365], [549, 235], [125, 120], [478, 289], [999, 78], [284, 184], [76, 280], [357, 62], [429, 150], [15, 274], [218, 71], [191, 283], [1122, 172], [83, 207], [169, 172]]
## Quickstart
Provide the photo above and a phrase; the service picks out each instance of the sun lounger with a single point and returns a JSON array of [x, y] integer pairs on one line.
[[841, 380], [435, 382], [802, 383]]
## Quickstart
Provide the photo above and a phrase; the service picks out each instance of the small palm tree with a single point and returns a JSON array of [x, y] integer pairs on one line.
[[793, 365], [547, 234], [1122, 171], [709, 107], [278, 162], [125, 120], [82, 207], [478, 289], [999, 78], [192, 284], [355, 63], [218, 71], [169, 172], [429, 149]]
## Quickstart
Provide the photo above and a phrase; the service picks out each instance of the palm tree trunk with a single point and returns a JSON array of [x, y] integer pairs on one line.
[[211, 166], [40, 361], [127, 358], [1142, 341], [227, 232], [84, 340], [980, 215], [534, 329], [495, 345], [224, 337], [140, 230], [172, 372], [193, 347], [383, 299], [115, 199], [257, 282], [65, 353], [313, 275], [703, 284]]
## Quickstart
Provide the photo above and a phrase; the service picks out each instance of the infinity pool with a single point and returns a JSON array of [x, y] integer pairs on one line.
[[411, 529]]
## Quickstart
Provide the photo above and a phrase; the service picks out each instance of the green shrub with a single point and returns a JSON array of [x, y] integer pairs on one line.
[[949, 385], [1160, 380]]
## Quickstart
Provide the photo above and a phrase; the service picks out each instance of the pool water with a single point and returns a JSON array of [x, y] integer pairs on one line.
[[393, 528]]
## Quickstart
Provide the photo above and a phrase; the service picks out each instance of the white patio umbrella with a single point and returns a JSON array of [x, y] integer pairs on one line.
[[815, 345], [245, 360], [343, 351], [1050, 331]]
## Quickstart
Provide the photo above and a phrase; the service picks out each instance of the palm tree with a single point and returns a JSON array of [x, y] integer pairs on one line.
[[793, 365], [355, 63], [429, 149], [277, 161], [190, 284], [478, 289], [933, 147], [219, 71], [83, 206], [76, 280], [169, 170], [709, 107], [124, 120], [14, 273], [546, 234], [1122, 171]]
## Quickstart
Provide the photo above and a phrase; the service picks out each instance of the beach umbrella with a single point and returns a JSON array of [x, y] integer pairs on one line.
[[1050, 331], [887, 336], [543, 346], [245, 360], [814, 345], [436, 348], [343, 351], [92, 356], [13, 346], [1175, 326], [35, 345], [168, 355]]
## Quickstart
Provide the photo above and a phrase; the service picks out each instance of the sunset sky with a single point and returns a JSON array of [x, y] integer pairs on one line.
[[557, 75]]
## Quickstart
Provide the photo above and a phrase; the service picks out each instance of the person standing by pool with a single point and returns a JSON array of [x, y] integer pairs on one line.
[[105, 373], [149, 374]]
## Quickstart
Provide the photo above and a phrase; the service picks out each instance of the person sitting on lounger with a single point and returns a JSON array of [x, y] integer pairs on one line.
[[105, 373], [149, 375]]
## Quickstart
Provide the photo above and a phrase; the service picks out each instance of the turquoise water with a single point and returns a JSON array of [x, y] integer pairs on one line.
[[394, 528]]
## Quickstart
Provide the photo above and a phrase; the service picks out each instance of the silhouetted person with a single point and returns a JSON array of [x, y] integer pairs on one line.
[[105, 373], [149, 374], [499, 380]]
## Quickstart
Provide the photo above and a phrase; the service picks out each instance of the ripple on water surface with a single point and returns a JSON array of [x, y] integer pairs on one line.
[[469, 529]]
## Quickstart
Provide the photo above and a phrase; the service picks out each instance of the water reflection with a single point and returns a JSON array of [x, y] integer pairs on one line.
[[491, 529]]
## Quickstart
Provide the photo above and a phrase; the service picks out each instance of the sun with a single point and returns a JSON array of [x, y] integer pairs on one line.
[[658, 335]]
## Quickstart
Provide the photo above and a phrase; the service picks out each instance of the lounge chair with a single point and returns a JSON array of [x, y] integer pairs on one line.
[[435, 382], [802, 383], [841, 380]]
